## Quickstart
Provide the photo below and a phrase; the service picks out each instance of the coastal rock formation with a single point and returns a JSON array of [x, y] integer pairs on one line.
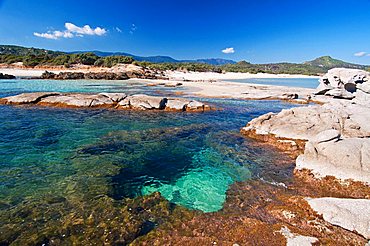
[[26, 98], [351, 214], [77, 100], [143, 102], [337, 135], [306, 122], [106, 100], [344, 83], [6, 76], [347, 158]]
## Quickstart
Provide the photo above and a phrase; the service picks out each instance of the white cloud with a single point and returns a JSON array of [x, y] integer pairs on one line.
[[360, 54], [72, 31], [85, 30], [133, 28], [228, 50]]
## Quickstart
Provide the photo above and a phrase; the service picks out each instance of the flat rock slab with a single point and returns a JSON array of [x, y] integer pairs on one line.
[[78, 100], [344, 159], [26, 98], [107, 100], [351, 120], [143, 102], [350, 214]]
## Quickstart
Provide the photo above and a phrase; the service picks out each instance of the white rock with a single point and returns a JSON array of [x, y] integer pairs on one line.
[[194, 105], [344, 159], [144, 102], [115, 97], [78, 100], [25, 98], [350, 214], [296, 239], [325, 136], [177, 104]]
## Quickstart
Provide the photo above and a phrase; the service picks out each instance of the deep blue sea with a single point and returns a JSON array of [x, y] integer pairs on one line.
[[294, 82], [190, 158]]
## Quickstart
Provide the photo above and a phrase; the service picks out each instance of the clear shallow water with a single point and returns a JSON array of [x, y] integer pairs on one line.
[[76, 156], [295, 82], [10, 87]]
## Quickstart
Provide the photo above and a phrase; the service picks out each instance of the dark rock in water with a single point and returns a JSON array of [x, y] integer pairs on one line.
[[145, 74], [6, 76], [79, 75]]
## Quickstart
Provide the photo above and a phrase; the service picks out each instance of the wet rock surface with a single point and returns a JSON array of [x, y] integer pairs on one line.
[[106, 100]]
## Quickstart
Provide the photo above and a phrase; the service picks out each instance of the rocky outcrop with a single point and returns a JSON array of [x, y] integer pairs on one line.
[[350, 214], [143, 102], [337, 136], [28, 98], [6, 76], [106, 100], [344, 83], [328, 155], [140, 74], [77, 100], [306, 122]]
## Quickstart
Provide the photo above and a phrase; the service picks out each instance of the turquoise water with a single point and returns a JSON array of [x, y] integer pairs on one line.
[[76, 156], [295, 82], [130, 87]]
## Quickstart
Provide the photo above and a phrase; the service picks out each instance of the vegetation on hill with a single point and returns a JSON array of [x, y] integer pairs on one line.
[[328, 62], [32, 60], [39, 57]]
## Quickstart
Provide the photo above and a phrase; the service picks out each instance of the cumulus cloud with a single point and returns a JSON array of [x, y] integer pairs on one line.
[[228, 50], [360, 54], [72, 31]]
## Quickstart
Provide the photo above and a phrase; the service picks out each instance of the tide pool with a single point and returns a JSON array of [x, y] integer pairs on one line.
[[83, 160]]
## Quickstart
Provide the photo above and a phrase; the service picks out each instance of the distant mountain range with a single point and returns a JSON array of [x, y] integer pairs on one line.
[[320, 64]]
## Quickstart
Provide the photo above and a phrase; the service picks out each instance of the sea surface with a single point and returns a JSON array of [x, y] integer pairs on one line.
[[293, 82], [60, 167]]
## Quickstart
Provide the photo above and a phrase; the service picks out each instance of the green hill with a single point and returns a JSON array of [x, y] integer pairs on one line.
[[328, 62], [23, 51]]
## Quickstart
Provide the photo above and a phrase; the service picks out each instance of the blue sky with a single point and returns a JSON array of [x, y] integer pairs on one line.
[[259, 31]]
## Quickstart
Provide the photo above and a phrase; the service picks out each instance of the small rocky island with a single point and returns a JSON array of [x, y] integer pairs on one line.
[[106, 100]]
